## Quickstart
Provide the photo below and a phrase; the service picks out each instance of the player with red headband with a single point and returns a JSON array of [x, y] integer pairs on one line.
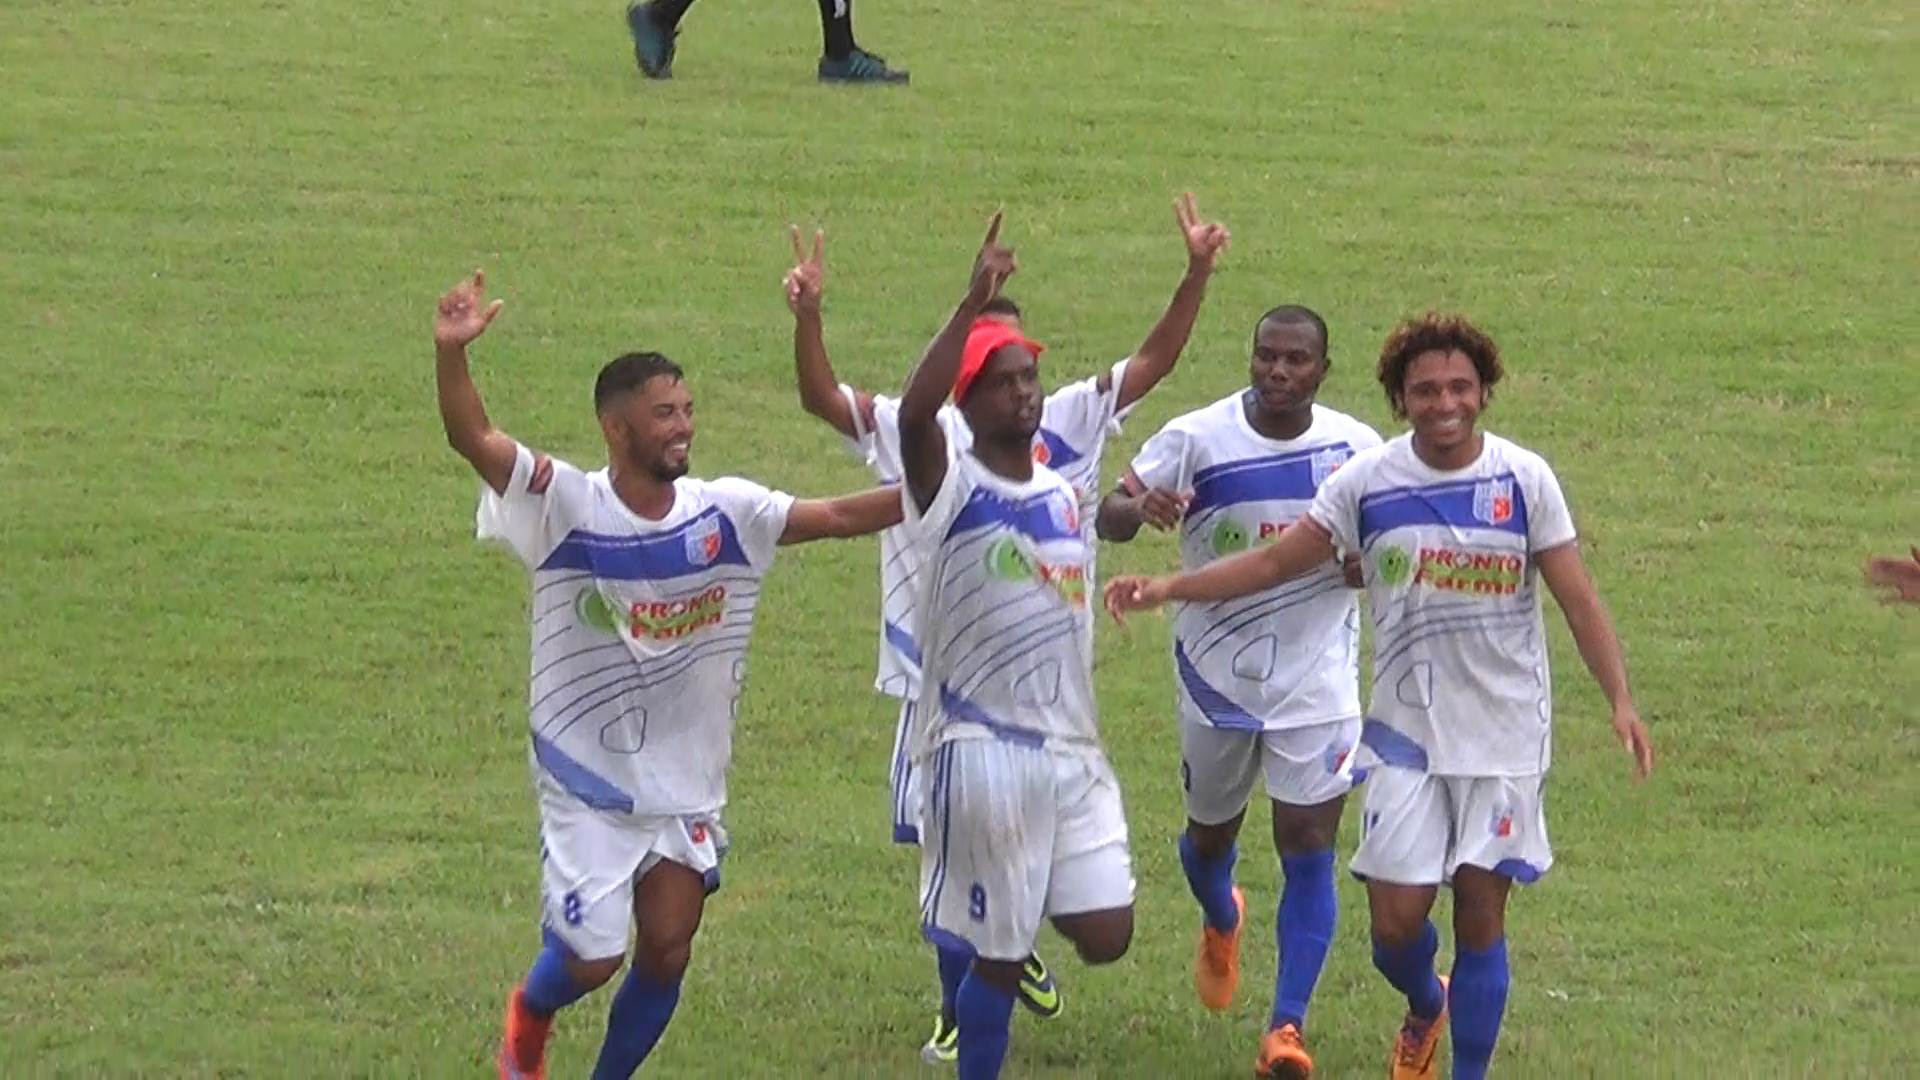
[[1021, 818], [1074, 423]]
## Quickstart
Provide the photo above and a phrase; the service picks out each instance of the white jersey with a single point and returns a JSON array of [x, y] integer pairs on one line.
[[639, 629], [1074, 424], [1460, 682], [1008, 646], [1284, 657]]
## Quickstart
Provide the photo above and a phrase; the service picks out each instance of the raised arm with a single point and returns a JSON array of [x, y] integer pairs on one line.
[[1300, 547], [1566, 576], [849, 515], [1156, 356], [819, 389], [923, 445], [462, 316]]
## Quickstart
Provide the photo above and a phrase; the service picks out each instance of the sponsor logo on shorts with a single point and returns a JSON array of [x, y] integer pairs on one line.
[[1500, 822]]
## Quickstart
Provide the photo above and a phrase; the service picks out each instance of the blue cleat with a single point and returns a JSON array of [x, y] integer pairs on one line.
[[652, 45]]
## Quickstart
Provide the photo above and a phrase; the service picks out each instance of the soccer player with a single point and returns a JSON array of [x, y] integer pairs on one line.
[[655, 27], [1455, 528], [1267, 684], [1075, 422], [1022, 818], [644, 585]]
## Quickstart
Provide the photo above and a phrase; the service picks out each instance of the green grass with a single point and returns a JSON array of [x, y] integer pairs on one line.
[[262, 757]]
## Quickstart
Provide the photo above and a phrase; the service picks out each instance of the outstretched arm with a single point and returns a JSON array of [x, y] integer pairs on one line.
[[819, 389], [1156, 356], [1566, 576], [923, 445], [849, 515], [462, 316], [1300, 547]]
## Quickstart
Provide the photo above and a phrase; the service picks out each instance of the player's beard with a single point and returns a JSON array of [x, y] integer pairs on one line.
[[658, 465]]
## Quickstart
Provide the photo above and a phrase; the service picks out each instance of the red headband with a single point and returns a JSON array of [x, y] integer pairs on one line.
[[986, 336]]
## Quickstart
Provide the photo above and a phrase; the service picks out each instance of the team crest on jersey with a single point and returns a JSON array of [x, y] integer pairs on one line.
[[1493, 501], [1327, 462], [1041, 455], [703, 542]]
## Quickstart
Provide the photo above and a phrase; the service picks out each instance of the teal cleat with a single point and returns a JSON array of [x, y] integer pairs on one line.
[[652, 45], [861, 66]]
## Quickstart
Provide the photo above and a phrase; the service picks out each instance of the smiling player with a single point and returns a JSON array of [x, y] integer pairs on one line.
[[644, 587], [1455, 527]]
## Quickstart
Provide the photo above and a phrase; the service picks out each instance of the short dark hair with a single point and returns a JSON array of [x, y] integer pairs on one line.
[[1294, 315], [1001, 305], [629, 372], [1434, 333]]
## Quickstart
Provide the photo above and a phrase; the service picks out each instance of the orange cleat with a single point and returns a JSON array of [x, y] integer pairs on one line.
[[523, 1050], [1216, 975], [1283, 1056], [1418, 1043]]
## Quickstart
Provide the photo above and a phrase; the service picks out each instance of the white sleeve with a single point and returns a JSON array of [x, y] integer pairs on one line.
[[758, 514], [1081, 414], [861, 445], [1549, 522], [929, 525], [1336, 506], [1163, 462], [546, 499], [1364, 437], [1118, 415]]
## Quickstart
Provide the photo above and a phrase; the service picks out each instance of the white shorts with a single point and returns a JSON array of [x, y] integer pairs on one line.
[[1014, 834], [590, 859], [1303, 766], [1417, 829], [904, 782]]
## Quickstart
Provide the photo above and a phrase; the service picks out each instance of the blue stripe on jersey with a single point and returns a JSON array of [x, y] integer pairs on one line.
[[961, 709], [898, 637], [1213, 704], [581, 782], [708, 540], [1042, 517], [1490, 502], [1059, 454], [1276, 478]]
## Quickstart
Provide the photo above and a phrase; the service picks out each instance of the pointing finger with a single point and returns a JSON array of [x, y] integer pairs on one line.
[[993, 228]]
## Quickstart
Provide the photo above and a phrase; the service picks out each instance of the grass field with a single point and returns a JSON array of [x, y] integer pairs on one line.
[[262, 744]]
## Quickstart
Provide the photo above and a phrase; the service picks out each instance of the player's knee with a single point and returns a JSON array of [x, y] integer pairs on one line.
[[1298, 830], [1105, 939], [1212, 841], [664, 958], [593, 974]]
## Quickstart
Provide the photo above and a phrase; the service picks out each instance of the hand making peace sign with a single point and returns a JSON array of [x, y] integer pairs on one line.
[[808, 278], [1205, 240]]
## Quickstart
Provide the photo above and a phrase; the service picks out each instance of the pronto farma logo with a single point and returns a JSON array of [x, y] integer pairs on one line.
[[1394, 566], [1230, 537], [1008, 561]]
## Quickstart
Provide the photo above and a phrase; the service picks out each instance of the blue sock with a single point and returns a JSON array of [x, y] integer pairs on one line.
[[549, 987], [1479, 998], [639, 1014], [985, 1012], [1309, 909], [953, 968], [1212, 883], [1410, 969]]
